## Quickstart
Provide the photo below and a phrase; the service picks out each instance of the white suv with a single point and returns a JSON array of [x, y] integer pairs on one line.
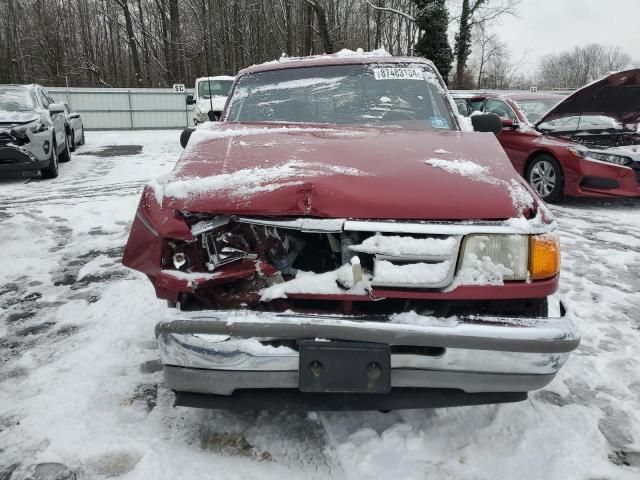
[[32, 131]]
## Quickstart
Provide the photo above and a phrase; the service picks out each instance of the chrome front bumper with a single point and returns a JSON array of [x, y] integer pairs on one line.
[[219, 352]]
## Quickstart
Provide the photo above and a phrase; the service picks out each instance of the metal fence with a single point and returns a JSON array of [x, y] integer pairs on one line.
[[127, 109]]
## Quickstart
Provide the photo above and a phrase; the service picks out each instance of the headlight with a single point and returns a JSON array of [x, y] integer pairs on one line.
[[515, 257], [582, 152], [606, 157], [510, 252]]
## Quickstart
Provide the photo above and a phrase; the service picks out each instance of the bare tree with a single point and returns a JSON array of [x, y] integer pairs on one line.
[[583, 64]]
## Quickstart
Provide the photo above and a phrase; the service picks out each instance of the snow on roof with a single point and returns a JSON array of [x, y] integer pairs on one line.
[[219, 77], [344, 56]]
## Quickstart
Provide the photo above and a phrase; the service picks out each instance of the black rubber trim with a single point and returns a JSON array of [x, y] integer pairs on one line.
[[291, 399]]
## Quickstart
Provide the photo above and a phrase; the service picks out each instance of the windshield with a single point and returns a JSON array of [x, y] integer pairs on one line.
[[15, 100], [534, 109], [214, 87], [401, 95]]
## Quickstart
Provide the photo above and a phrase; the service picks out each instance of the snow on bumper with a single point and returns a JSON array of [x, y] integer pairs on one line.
[[218, 352]]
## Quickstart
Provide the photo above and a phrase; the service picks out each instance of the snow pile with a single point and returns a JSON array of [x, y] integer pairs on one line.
[[397, 246], [480, 271], [466, 168], [248, 181], [344, 53], [418, 274], [318, 284], [396, 453], [521, 197], [360, 53]]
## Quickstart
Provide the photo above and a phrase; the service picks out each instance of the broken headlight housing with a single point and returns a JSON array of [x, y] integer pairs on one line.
[[20, 132], [224, 247]]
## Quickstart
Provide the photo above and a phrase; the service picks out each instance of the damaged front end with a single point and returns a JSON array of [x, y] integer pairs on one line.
[[325, 313]]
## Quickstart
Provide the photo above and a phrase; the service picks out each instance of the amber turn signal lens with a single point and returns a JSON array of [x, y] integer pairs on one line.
[[544, 256]]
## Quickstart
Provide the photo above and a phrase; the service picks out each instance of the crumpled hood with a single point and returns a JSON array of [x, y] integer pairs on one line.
[[17, 118], [616, 95], [366, 173]]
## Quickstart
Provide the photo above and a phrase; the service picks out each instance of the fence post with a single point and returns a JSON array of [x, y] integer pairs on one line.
[[130, 110]]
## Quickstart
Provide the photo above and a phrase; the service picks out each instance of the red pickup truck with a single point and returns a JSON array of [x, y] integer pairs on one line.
[[344, 240]]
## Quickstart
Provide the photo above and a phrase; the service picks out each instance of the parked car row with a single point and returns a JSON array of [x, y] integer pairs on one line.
[[36, 133], [586, 144]]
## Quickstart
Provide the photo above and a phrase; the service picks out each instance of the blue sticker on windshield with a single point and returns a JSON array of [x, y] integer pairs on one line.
[[439, 122]]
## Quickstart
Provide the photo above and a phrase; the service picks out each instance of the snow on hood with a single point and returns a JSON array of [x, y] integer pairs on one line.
[[346, 172], [617, 95], [18, 117]]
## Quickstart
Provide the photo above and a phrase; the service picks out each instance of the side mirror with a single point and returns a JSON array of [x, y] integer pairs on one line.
[[74, 115], [185, 136], [190, 100], [56, 108], [508, 123], [487, 122]]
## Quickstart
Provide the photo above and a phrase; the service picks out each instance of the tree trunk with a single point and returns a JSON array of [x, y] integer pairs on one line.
[[323, 29], [133, 48]]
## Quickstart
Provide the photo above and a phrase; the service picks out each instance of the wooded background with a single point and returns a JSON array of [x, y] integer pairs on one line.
[[154, 43]]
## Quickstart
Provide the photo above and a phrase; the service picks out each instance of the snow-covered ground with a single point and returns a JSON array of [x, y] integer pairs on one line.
[[81, 394]]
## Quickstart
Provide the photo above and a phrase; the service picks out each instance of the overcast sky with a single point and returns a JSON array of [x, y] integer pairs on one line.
[[546, 26]]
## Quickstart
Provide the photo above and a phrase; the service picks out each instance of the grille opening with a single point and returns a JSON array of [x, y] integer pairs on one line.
[[395, 349], [381, 308]]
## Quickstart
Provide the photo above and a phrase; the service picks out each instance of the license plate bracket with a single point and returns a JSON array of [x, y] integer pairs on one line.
[[344, 367]]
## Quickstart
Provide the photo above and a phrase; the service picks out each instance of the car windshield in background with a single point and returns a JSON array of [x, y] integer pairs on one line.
[[214, 87], [376, 95], [534, 109], [16, 100]]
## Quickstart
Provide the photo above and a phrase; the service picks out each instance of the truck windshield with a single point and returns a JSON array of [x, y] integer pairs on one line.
[[404, 95], [206, 88], [16, 100]]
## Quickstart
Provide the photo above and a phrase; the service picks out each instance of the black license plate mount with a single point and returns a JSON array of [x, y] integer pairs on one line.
[[344, 367]]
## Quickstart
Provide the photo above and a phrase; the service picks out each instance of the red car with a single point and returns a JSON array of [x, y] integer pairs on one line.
[[338, 241], [586, 144]]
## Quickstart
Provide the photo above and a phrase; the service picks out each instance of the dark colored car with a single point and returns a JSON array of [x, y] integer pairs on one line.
[[586, 144], [338, 241]]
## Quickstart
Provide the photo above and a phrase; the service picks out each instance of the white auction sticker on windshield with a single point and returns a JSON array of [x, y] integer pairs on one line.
[[388, 73]]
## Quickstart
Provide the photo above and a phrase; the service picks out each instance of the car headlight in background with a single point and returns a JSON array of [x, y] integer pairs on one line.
[[534, 257], [582, 152], [607, 157]]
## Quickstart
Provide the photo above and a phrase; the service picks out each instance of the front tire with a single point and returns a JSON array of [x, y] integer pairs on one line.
[[545, 176], [65, 156], [51, 171]]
